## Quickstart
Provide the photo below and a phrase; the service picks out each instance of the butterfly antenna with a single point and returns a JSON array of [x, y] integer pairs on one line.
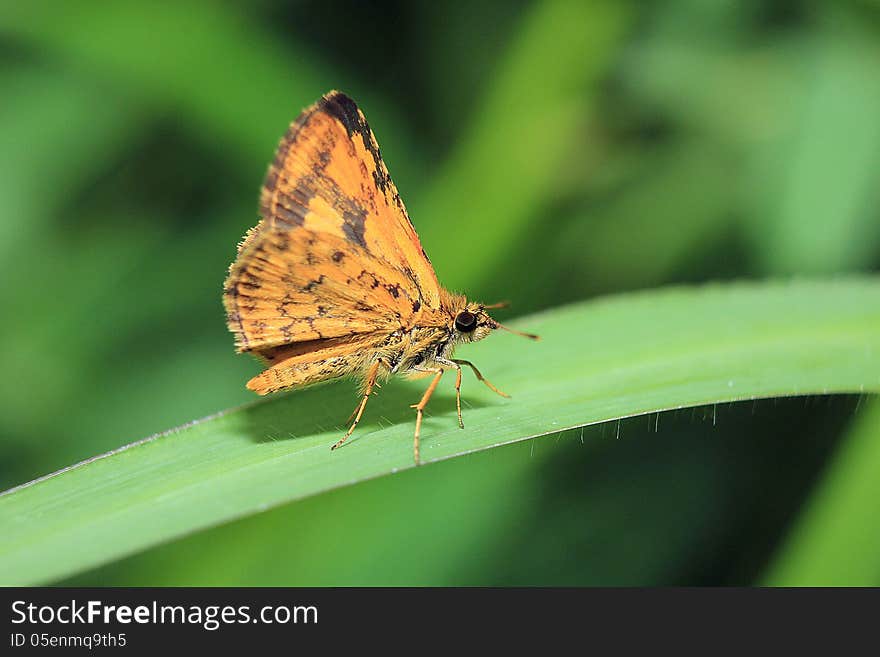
[[500, 304], [530, 336]]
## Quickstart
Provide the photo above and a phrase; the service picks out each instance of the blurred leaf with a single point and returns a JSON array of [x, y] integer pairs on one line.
[[120, 297], [676, 205], [820, 185], [799, 111], [235, 82], [711, 89], [510, 152], [55, 132], [413, 529], [598, 361], [836, 540], [644, 501], [459, 48], [207, 61]]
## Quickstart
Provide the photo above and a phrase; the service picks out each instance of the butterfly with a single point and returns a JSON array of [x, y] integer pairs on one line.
[[333, 281]]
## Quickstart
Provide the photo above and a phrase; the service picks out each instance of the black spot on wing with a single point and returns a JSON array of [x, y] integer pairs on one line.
[[287, 216], [365, 275], [311, 285], [343, 108], [353, 220], [340, 106]]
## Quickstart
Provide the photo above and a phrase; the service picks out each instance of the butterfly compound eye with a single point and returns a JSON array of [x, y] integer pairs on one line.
[[465, 322]]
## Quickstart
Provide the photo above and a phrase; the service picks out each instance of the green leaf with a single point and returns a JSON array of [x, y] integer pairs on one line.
[[598, 361], [836, 540], [818, 181]]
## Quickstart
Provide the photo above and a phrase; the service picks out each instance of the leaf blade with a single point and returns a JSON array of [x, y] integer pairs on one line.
[[598, 361]]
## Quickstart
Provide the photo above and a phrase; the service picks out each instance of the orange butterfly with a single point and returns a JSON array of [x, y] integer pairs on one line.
[[333, 280]]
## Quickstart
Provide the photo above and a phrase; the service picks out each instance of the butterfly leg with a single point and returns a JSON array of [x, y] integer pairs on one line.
[[371, 381], [479, 376], [420, 407], [454, 364], [458, 394]]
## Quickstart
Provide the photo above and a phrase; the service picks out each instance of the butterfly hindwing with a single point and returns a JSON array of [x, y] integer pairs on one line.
[[304, 363]]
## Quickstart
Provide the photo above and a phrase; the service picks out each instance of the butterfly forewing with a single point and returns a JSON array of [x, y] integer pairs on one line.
[[335, 253]]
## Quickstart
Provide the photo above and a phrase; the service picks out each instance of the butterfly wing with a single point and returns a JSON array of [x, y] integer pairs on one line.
[[304, 363], [299, 285], [335, 253]]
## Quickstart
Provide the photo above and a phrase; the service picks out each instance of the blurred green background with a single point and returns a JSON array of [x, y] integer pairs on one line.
[[547, 152]]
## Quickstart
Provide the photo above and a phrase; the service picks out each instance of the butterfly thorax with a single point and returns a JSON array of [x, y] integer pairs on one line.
[[432, 342]]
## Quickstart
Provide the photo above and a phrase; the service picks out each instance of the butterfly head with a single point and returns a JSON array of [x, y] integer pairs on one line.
[[473, 323]]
